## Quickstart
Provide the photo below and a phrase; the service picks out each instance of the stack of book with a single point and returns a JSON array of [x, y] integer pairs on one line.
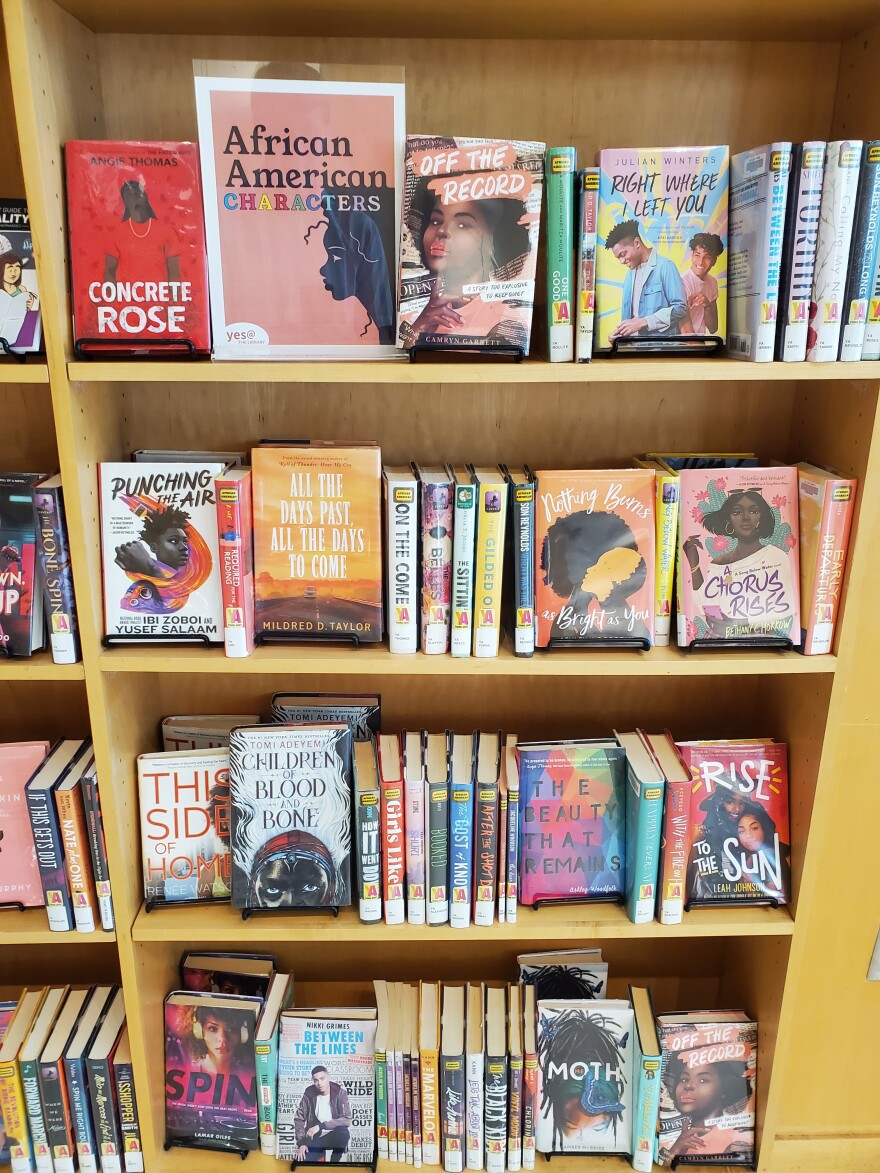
[[66, 1084], [52, 849]]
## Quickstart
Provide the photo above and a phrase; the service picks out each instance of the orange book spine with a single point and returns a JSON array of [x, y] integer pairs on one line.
[[77, 859], [674, 847], [820, 609], [235, 531]]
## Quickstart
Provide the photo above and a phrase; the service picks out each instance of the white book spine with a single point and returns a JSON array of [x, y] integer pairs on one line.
[[414, 794], [88, 1162], [63, 1164], [795, 298], [22, 1165], [585, 303], [836, 216], [463, 535], [402, 515], [474, 1111], [391, 1080], [84, 918]]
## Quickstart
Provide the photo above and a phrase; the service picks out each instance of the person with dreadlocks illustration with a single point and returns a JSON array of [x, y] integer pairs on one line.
[[294, 870], [583, 1090], [563, 982], [180, 562]]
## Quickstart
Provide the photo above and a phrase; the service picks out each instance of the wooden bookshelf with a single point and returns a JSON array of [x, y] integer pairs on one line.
[[95, 68]]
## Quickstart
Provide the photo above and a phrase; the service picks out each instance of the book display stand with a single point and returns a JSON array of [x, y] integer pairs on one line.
[[329, 909], [12, 906], [262, 638], [558, 643], [489, 353], [158, 902], [94, 69], [147, 637], [755, 643], [679, 345], [722, 1160], [18, 355], [166, 349], [348, 1164], [183, 1143], [718, 902], [554, 900]]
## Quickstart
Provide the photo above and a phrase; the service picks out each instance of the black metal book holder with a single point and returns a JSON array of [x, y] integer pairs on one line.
[[19, 355], [153, 902], [609, 898], [599, 642], [702, 345], [149, 637], [330, 909], [307, 637], [712, 1159], [742, 643], [12, 905], [294, 1164], [721, 902], [471, 351], [130, 348], [187, 1142]]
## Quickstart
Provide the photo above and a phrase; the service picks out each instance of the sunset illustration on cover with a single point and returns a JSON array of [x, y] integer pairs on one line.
[[317, 542]]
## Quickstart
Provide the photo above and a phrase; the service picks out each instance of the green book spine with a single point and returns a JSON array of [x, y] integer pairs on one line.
[[266, 1055], [382, 1104], [560, 167]]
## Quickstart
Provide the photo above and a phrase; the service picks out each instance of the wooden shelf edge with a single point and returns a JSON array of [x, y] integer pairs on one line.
[[378, 661], [30, 928], [602, 371], [23, 372], [40, 666], [221, 923]]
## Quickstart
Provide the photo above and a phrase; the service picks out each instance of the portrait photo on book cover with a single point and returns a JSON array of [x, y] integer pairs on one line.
[[210, 1078], [323, 1119]]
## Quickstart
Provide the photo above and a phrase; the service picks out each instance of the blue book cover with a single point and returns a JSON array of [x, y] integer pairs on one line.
[[645, 785], [646, 1079], [81, 1114], [54, 551], [862, 256], [461, 831]]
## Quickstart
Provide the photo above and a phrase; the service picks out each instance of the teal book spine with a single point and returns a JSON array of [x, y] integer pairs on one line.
[[560, 170], [266, 1054], [647, 1102], [644, 819]]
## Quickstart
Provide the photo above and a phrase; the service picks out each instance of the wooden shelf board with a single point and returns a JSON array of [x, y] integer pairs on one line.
[[31, 928], [220, 923], [687, 20], [635, 370], [186, 1160], [23, 372], [39, 666], [378, 661]]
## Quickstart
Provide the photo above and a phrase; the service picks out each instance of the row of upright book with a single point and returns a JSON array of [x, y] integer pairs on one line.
[[67, 1092], [52, 848], [317, 810], [461, 1076], [395, 242], [302, 546]]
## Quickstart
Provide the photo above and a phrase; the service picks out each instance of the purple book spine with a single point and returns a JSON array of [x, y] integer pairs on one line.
[[58, 600]]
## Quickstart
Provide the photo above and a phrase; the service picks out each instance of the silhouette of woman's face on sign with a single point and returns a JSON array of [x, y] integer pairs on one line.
[[356, 267]]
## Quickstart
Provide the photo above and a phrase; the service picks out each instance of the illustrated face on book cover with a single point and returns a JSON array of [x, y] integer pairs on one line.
[[18, 298], [293, 870], [178, 561], [583, 1088], [739, 547]]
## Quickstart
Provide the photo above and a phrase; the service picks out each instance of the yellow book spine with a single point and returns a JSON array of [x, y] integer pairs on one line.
[[667, 542], [429, 1067], [13, 1111], [489, 562]]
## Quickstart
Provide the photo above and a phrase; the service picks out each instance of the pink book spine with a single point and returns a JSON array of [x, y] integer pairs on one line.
[[436, 527], [235, 531], [821, 609], [414, 817]]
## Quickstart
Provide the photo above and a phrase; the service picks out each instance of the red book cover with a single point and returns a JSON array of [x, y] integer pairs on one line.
[[137, 247], [235, 519], [739, 842]]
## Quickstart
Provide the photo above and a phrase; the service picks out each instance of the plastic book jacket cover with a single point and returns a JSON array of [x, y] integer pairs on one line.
[[661, 263], [826, 504], [572, 818], [302, 208], [739, 554], [19, 875], [739, 833], [291, 794], [471, 215], [184, 810], [137, 246], [326, 1082], [585, 1077], [318, 541], [210, 1070], [21, 599], [594, 555], [707, 1090], [160, 550], [20, 323]]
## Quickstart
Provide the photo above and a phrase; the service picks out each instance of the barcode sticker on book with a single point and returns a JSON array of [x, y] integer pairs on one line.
[[741, 343]]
